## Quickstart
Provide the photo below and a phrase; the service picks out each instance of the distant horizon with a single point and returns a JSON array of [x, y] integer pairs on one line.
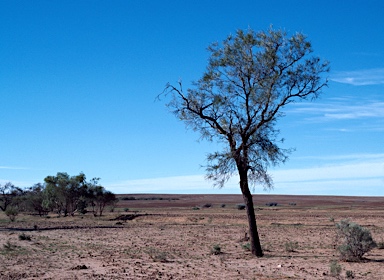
[[239, 194]]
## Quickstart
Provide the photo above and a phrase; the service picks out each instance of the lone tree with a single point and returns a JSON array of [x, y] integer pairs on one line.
[[249, 79]]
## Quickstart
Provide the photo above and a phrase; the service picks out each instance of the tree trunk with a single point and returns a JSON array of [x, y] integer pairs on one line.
[[253, 233]]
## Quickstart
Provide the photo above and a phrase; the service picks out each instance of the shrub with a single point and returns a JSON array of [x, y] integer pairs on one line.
[[334, 269], [8, 246], [291, 246], [349, 274], [246, 246], [157, 256], [12, 212], [223, 205], [207, 205], [23, 236], [126, 209], [353, 241], [216, 249], [380, 245], [240, 206], [271, 204], [195, 208]]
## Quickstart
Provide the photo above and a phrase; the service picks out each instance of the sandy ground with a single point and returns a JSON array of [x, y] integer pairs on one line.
[[169, 240]]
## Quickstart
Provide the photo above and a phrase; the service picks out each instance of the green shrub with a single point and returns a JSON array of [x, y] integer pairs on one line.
[[353, 241], [157, 256], [12, 212], [291, 246], [196, 208], [23, 236], [216, 249], [8, 246], [334, 269], [246, 246], [380, 245], [349, 274]]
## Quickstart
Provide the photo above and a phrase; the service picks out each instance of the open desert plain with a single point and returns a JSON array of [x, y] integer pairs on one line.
[[192, 237]]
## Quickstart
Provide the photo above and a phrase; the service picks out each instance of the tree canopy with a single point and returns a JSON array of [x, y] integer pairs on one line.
[[238, 100]]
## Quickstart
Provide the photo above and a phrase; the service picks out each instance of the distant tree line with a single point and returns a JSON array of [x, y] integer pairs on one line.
[[62, 194]]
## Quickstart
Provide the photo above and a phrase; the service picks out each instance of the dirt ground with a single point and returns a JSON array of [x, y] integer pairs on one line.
[[167, 237]]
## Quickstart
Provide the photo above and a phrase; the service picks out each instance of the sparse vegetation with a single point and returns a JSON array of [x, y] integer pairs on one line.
[[335, 269], [12, 213], [349, 274], [353, 241], [24, 236], [291, 246], [216, 249], [178, 242], [240, 206], [207, 205], [380, 245], [9, 246], [157, 256], [270, 204], [246, 246]]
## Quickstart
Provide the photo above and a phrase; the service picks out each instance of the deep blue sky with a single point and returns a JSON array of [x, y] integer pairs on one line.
[[78, 82]]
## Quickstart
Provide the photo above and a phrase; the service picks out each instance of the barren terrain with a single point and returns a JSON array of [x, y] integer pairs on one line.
[[168, 237]]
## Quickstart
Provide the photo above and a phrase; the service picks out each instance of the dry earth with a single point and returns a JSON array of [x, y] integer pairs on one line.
[[167, 239]]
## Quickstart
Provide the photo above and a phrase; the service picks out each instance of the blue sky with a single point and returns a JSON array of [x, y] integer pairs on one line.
[[78, 82]]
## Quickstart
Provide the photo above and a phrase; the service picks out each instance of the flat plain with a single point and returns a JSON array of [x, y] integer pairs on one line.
[[177, 236]]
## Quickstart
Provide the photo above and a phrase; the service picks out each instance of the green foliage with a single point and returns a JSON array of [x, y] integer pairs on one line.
[[8, 246], [157, 256], [335, 268], [9, 195], [69, 194], [24, 236], [349, 274], [291, 246], [34, 198], [12, 213], [63, 192], [380, 245], [216, 249], [99, 197], [246, 246], [250, 78], [353, 241]]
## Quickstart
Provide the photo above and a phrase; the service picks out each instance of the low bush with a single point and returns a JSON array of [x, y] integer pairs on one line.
[[240, 206], [380, 245], [271, 204], [349, 274], [216, 249], [24, 236], [334, 269], [246, 246], [353, 241], [291, 246], [12, 212], [207, 205]]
